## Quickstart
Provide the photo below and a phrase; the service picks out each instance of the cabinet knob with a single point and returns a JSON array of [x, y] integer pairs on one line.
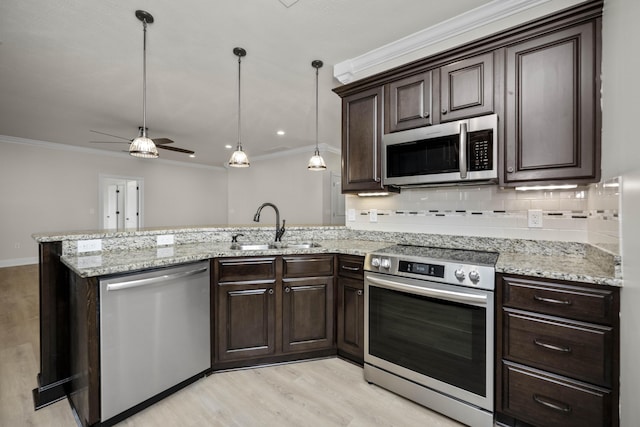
[[359, 292], [444, 111], [270, 291], [510, 169], [287, 289]]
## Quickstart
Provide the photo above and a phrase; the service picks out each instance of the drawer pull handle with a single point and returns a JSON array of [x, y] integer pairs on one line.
[[552, 346], [552, 301], [346, 267], [559, 406]]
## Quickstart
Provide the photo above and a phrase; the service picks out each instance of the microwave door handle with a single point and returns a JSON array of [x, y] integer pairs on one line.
[[463, 150]]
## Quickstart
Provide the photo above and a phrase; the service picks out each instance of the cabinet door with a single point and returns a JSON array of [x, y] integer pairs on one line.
[[552, 126], [361, 141], [246, 320], [466, 88], [409, 103], [350, 318], [307, 314]]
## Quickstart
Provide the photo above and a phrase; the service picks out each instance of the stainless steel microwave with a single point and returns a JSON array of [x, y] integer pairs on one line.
[[464, 151]]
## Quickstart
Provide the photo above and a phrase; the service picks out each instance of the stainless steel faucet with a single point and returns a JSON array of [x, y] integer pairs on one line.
[[279, 230]]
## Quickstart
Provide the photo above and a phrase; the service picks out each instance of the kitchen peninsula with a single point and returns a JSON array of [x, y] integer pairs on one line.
[[61, 264]]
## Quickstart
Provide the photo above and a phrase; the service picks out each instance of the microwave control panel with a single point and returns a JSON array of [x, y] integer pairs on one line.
[[480, 151]]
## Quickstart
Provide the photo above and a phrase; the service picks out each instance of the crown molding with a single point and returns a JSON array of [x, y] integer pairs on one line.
[[346, 71], [95, 151]]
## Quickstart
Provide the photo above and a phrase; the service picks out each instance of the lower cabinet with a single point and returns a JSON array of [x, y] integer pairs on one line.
[[557, 353], [269, 309], [350, 310]]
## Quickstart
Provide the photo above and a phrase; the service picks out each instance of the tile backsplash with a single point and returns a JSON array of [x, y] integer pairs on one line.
[[587, 214]]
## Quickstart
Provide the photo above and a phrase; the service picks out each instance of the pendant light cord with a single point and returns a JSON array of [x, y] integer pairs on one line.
[[144, 78], [239, 100], [317, 149]]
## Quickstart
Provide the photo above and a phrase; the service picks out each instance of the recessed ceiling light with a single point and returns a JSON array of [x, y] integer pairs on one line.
[[228, 146], [192, 156], [280, 132]]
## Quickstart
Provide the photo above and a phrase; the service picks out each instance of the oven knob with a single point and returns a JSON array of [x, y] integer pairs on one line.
[[375, 262], [474, 276], [385, 263], [459, 273]]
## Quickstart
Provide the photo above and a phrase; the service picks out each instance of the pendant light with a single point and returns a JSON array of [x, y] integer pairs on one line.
[[316, 163], [239, 158], [142, 146]]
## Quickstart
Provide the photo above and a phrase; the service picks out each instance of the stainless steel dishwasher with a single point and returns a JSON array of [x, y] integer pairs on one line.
[[154, 334]]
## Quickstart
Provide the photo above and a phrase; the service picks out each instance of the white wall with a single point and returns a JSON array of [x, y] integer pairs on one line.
[[50, 187], [620, 155], [284, 180]]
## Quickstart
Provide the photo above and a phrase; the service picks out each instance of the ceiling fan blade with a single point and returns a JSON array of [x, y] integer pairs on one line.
[[108, 134], [179, 150], [159, 141]]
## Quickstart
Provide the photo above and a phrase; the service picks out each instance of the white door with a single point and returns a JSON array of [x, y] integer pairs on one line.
[[120, 200]]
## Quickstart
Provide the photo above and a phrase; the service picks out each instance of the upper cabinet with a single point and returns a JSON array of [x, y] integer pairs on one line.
[[409, 102], [361, 141], [466, 88], [542, 79], [552, 114], [455, 91]]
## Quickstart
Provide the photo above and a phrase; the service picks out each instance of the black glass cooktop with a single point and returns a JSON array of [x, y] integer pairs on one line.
[[465, 256]]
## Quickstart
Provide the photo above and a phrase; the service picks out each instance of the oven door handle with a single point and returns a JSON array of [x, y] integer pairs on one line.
[[462, 297]]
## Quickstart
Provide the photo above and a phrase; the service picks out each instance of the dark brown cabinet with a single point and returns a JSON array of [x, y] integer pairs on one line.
[[558, 358], [361, 143], [409, 102], [466, 88], [552, 114], [270, 309], [350, 310]]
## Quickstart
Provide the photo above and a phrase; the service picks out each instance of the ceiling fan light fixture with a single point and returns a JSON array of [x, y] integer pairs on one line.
[[143, 147], [239, 158], [316, 162]]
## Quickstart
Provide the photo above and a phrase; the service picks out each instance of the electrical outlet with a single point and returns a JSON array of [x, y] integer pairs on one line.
[[351, 214], [93, 245], [535, 218], [373, 215], [165, 239]]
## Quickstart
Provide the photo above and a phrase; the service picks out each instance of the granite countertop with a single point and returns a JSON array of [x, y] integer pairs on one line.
[[567, 267], [124, 261]]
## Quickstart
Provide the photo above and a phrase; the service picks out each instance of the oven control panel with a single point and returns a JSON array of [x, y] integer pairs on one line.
[[433, 270]]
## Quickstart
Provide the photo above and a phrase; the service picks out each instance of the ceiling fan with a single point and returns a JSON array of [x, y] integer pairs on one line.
[[159, 142], [143, 146]]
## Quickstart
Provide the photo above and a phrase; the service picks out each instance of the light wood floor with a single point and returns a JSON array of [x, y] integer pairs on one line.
[[328, 392]]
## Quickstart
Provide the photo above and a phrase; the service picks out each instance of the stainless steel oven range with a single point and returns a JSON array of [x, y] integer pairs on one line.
[[429, 328]]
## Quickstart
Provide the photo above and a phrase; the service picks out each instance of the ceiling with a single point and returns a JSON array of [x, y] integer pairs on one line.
[[70, 66]]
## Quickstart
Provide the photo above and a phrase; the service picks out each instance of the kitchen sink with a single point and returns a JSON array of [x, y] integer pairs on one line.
[[252, 246], [261, 246], [300, 245]]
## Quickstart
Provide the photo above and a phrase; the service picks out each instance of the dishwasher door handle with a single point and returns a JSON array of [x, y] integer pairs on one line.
[[153, 280]]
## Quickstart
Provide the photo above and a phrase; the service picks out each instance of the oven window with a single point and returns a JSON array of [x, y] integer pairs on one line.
[[440, 339], [424, 157]]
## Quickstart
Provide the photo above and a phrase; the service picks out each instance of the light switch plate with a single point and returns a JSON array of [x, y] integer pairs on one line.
[[534, 217], [93, 245], [373, 215], [165, 239]]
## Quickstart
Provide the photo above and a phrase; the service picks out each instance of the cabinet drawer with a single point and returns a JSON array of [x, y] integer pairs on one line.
[[245, 269], [574, 302], [552, 401], [351, 266], [579, 350], [307, 266]]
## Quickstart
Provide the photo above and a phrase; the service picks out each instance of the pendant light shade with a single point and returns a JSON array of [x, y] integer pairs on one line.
[[239, 158], [142, 146], [316, 163]]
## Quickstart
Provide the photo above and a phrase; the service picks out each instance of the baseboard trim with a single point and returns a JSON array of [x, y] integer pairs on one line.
[[16, 262]]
